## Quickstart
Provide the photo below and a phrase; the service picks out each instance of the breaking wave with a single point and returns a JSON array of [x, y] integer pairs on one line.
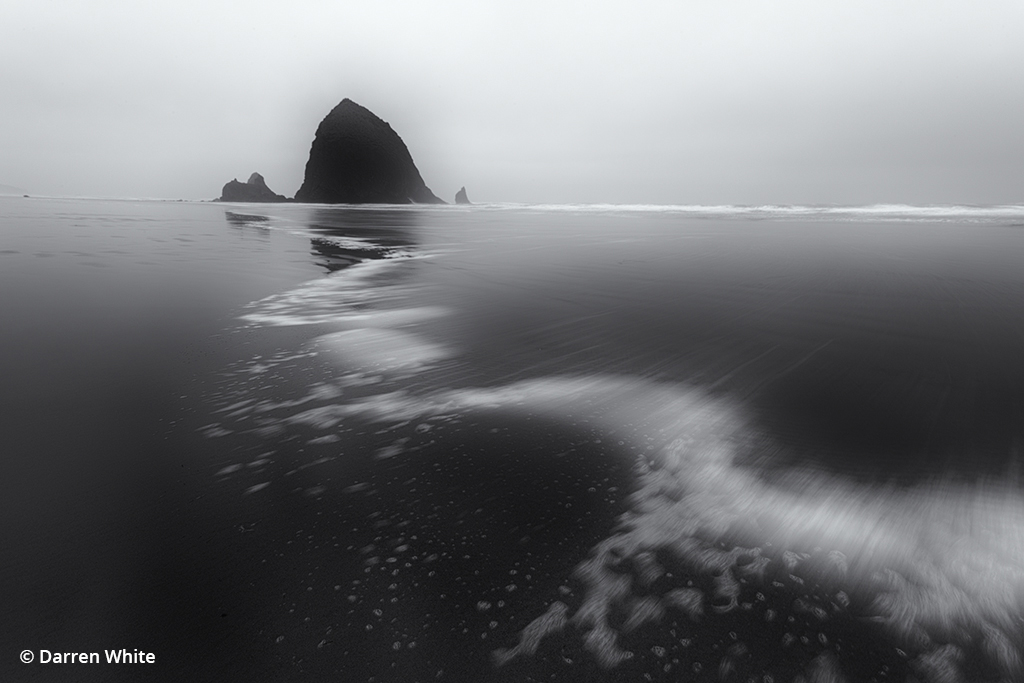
[[901, 212]]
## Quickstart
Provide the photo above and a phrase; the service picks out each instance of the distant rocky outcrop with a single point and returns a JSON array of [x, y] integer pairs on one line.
[[356, 158], [253, 190], [461, 198]]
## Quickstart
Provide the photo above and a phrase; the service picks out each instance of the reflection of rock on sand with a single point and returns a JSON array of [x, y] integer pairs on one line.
[[368, 253], [346, 236], [389, 227]]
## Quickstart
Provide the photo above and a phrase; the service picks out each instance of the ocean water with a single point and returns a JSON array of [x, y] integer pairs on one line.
[[512, 443]]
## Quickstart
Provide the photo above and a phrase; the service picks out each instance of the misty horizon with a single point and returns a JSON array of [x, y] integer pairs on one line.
[[741, 104]]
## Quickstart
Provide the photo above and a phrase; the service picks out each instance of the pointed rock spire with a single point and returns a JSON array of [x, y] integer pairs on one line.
[[356, 158]]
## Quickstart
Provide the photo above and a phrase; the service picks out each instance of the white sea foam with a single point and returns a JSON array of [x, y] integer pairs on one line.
[[357, 295], [357, 300], [379, 351], [941, 566]]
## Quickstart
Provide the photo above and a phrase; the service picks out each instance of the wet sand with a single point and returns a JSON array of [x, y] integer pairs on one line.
[[501, 444]]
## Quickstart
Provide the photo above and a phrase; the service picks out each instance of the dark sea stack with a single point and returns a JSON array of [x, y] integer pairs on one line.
[[461, 198], [253, 190], [356, 158]]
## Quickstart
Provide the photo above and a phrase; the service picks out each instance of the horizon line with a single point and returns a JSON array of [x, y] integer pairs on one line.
[[879, 207]]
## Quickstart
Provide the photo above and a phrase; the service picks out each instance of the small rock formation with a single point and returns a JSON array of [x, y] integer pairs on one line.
[[253, 190], [356, 158], [461, 198]]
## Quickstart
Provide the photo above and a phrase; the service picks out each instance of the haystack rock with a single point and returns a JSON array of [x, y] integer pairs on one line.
[[356, 158], [253, 190], [461, 198]]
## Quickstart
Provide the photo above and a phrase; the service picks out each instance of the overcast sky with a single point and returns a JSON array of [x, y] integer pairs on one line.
[[685, 102]]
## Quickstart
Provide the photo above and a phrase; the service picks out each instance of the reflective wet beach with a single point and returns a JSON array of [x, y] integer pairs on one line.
[[516, 444]]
